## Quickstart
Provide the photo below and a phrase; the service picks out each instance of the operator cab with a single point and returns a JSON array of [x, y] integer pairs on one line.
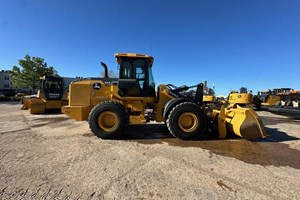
[[135, 76], [53, 87]]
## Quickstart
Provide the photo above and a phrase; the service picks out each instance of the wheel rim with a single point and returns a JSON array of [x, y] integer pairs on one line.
[[107, 121], [187, 122]]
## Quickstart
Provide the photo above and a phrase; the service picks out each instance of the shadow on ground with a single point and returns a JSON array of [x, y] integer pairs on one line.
[[265, 152], [147, 131], [275, 135], [279, 120]]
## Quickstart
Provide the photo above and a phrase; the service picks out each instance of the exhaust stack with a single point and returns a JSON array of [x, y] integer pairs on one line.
[[105, 69]]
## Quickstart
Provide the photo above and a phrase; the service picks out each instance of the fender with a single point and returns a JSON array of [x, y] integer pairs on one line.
[[170, 104]]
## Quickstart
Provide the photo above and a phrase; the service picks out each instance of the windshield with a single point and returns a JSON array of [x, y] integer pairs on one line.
[[133, 68], [139, 71], [53, 85], [151, 78]]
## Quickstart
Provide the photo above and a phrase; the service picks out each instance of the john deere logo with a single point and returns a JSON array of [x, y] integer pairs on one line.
[[97, 86]]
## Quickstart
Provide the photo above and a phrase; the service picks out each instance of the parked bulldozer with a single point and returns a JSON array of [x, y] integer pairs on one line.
[[51, 95], [111, 104]]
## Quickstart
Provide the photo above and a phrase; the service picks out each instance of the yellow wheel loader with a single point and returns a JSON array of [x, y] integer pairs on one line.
[[111, 104], [51, 95], [265, 99]]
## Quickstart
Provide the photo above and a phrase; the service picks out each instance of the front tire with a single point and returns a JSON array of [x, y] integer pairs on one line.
[[187, 121], [107, 120]]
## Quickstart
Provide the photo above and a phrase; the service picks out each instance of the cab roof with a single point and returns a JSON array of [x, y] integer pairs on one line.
[[132, 55]]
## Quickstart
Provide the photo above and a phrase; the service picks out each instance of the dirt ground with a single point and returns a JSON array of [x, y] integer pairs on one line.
[[51, 156]]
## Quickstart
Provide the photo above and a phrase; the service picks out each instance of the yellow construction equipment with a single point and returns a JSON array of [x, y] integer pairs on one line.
[[208, 94], [110, 104], [51, 95], [241, 98], [265, 99]]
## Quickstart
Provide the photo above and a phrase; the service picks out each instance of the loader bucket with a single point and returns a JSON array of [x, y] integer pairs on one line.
[[243, 122]]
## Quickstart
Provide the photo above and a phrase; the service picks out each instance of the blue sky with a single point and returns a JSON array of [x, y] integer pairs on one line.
[[233, 43]]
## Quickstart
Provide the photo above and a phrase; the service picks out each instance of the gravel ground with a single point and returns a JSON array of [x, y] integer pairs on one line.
[[51, 156]]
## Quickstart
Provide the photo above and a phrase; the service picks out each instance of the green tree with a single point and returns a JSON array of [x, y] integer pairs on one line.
[[30, 71]]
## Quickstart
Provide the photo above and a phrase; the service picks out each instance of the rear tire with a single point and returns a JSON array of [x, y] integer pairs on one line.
[[187, 121], [107, 120]]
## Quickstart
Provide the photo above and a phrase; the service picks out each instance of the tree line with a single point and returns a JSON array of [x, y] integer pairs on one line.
[[30, 69]]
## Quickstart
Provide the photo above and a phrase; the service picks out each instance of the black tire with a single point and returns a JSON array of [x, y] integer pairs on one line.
[[107, 120], [187, 121]]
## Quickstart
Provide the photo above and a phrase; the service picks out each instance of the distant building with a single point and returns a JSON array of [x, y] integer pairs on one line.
[[7, 87], [5, 80]]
